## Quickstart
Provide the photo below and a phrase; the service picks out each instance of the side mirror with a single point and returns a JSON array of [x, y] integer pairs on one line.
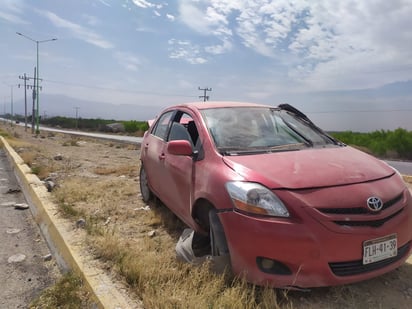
[[180, 148]]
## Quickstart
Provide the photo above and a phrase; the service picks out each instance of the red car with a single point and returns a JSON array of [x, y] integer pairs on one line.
[[291, 206]]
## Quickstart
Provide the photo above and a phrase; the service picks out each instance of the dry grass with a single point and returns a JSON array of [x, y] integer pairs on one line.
[[32, 156], [148, 264], [151, 269], [102, 188], [71, 142], [118, 171], [69, 293]]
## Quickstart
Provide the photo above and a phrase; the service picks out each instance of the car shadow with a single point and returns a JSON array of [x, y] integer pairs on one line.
[[167, 219]]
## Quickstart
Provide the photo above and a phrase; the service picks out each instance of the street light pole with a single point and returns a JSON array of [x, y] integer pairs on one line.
[[37, 75]]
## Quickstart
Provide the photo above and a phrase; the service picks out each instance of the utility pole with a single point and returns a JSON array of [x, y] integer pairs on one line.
[[77, 117], [204, 96], [33, 87], [34, 101], [11, 103], [25, 78], [36, 81]]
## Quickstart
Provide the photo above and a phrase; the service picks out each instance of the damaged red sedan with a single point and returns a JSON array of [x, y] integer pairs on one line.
[[287, 204]]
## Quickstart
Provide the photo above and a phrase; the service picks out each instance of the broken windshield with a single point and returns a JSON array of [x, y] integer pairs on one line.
[[251, 130]]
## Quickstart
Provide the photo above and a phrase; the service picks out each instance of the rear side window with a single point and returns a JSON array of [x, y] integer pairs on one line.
[[162, 125]]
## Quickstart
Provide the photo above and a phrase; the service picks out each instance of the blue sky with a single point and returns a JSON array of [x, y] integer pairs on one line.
[[346, 64]]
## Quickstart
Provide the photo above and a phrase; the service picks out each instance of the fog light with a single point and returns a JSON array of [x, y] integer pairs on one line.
[[271, 266], [267, 263]]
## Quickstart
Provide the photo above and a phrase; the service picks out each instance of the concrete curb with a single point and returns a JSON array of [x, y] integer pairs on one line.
[[61, 237]]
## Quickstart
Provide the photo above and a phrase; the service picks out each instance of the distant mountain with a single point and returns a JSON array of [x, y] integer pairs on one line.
[[387, 107], [398, 89], [61, 105]]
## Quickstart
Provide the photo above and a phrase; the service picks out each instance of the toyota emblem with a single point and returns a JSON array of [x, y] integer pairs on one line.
[[374, 203]]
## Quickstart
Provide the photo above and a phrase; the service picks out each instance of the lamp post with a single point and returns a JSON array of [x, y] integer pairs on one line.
[[37, 75]]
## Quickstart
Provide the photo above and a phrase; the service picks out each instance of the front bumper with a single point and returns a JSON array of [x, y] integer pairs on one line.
[[313, 254]]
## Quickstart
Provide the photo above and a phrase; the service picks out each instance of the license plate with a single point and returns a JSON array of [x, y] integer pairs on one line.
[[375, 250]]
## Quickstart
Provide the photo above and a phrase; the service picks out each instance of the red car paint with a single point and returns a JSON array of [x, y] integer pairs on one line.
[[324, 187]]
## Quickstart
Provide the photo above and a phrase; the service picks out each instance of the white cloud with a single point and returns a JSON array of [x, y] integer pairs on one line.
[[193, 16], [78, 31], [104, 3], [354, 38], [129, 61], [326, 41], [220, 48], [91, 20], [170, 17], [12, 18], [11, 11], [185, 50], [143, 4]]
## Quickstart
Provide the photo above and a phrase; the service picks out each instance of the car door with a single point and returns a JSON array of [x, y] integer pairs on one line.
[[180, 170], [153, 153], [174, 173]]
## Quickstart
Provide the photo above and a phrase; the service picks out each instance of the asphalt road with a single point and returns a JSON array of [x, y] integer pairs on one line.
[[123, 138], [25, 268], [403, 167]]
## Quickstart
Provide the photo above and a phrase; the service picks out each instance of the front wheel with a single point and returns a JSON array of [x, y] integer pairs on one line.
[[218, 243], [144, 185]]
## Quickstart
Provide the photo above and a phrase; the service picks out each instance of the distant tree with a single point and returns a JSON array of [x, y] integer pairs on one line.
[[381, 143]]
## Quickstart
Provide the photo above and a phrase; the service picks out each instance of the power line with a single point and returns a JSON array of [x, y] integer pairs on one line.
[[362, 111], [119, 90]]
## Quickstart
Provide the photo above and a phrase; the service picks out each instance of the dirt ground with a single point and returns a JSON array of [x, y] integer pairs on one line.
[[74, 156]]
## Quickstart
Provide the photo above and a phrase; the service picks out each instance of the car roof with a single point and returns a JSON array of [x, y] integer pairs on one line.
[[217, 104]]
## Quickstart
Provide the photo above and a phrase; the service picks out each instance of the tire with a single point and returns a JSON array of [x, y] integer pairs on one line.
[[218, 241], [220, 255], [145, 191]]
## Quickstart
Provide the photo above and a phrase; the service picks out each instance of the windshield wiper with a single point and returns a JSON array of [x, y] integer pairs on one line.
[[260, 150], [307, 141]]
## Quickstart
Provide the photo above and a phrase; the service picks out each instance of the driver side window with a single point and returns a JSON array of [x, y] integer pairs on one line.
[[162, 125], [185, 128]]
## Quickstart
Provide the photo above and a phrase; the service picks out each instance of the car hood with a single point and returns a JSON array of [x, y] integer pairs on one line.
[[309, 168]]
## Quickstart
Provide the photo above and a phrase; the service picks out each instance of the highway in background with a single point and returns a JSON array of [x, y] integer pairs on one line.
[[121, 138], [403, 167]]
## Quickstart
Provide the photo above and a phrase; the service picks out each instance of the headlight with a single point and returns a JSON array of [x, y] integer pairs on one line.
[[254, 198]]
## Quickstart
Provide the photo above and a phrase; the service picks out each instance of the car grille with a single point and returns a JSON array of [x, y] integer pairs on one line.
[[358, 210], [356, 267], [369, 220], [371, 223]]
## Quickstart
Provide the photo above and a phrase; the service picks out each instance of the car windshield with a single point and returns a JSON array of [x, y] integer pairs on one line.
[[243, 130]]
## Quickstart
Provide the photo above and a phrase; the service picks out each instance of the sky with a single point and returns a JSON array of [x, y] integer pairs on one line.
[[346, 64]]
